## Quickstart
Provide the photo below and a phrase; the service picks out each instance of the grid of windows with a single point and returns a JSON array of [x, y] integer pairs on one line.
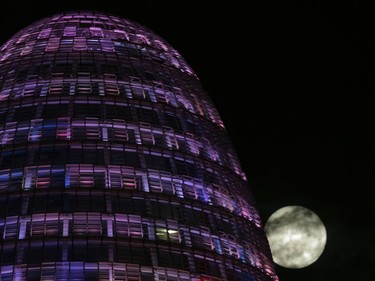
[[114, 163], [91, 176], [124, 226], [120, 272], [37, 121]]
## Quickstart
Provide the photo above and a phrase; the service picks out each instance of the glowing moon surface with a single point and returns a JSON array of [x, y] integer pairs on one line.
[[296, 235]]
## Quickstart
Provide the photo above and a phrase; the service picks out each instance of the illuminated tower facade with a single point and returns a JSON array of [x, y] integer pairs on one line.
[[114, 163]]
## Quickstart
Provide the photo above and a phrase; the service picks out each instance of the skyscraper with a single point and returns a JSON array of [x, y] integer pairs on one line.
[[114, 163]]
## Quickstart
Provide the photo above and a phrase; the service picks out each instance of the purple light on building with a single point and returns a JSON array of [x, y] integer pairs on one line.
[[114, 163]]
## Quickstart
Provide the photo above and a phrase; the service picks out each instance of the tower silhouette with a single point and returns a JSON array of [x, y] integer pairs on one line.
[[114, 163]]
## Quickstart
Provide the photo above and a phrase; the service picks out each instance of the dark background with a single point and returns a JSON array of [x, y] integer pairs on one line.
[[294, 84]]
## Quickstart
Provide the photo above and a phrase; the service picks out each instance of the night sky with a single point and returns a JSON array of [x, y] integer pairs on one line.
[[294, 84]]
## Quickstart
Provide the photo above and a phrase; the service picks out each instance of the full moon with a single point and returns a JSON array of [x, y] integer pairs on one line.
[[296, 235]]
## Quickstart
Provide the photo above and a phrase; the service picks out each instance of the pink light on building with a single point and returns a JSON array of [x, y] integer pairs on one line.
[[114, 162]]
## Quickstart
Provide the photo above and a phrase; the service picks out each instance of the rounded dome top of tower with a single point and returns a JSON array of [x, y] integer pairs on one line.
[[56, 33], [97, 54]]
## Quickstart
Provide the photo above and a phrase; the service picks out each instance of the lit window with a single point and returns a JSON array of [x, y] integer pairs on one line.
[[123, 177], [70, 31], [36, 177], [28, 48], [171, 139], [128, 225], [167, 232], [44, 33], [10, 228], [107, 45], [45, 225], [189, 188], [53, 44], [63, 128], [79, 176], [9, 133], [35, 132], [146, 134], [96, 31], [155, 183], [230, 247], [185, 103], [87, 223]]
